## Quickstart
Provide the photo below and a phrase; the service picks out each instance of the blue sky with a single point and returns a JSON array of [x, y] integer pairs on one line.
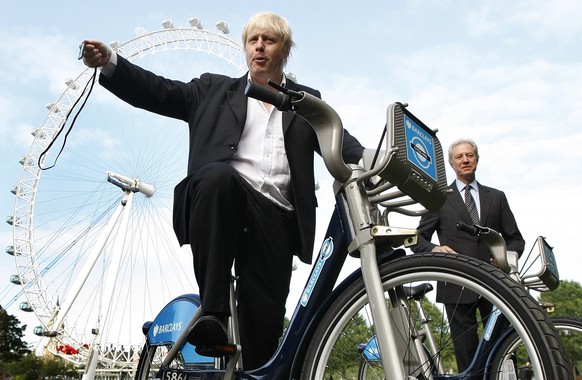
[[507, 74]]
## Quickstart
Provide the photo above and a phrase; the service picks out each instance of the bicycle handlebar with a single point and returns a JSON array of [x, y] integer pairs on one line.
[[494, 241], [279, 100], [322, 117], [473, 230]]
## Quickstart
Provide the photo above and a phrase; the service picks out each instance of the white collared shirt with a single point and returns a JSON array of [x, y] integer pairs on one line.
[[260, 157]]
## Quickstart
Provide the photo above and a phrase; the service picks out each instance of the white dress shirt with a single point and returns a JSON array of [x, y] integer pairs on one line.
[[260, 157]]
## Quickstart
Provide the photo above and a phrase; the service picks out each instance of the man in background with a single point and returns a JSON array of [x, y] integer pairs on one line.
[[472, 203]]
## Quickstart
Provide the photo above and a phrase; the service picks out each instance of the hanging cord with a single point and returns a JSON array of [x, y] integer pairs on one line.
[[369, 183], [89, 84], [380, 143]]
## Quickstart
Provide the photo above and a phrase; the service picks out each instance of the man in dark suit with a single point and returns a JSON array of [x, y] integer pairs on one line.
[[249, 194], [489, 208]]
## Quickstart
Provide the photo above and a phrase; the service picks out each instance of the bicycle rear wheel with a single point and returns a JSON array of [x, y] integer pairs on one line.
[[511, 352], [333, 351]]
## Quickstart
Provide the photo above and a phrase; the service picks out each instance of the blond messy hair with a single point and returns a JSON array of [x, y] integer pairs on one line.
[[273, 22]]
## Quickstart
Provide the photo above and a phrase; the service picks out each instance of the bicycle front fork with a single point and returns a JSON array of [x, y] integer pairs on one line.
[[401, 352]]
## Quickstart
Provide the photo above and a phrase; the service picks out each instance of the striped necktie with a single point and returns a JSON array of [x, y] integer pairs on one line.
[[471, 206]]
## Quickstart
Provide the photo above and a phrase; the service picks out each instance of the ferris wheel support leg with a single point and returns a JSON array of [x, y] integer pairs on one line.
[[108, 293], [86, 270], [92, 364]]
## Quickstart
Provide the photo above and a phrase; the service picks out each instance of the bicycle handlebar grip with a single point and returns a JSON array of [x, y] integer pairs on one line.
[[278, 99], [471, 230]]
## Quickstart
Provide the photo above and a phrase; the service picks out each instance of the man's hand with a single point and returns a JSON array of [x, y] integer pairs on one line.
[[95, 53], [443, 248]]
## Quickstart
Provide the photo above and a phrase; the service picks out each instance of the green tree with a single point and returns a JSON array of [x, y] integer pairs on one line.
[[359, 332], [356, 332], [27, 368], [566, 301], [439, 326], [12, 347], [58, 367], [32, 367], [17, 360]]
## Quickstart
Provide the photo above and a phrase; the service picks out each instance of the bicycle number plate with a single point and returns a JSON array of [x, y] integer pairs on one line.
[[173, 375], [185, 374]]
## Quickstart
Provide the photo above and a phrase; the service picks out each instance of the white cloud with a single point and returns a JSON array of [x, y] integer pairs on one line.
[[53, 55], [547, 19], [557, 21]]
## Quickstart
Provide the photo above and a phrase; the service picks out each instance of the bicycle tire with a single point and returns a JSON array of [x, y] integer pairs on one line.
[[328, 347], [570, 331]]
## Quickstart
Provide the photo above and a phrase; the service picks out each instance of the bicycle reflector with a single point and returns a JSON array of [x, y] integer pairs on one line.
[[415, 162]]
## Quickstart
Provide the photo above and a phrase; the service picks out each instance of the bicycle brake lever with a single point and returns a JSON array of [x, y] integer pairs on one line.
[[285, 90]]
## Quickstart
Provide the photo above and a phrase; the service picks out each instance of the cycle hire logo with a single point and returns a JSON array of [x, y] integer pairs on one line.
[[171, 320], [420, 148], [324, 253], [166, 328]]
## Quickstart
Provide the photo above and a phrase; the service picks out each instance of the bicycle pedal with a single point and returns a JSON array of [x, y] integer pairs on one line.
[[217, 350]]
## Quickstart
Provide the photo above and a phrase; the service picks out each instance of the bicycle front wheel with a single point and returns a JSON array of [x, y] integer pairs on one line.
[[342, 346]]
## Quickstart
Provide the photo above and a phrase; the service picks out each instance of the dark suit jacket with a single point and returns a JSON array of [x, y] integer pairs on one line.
[[214, 106], [495, 213]]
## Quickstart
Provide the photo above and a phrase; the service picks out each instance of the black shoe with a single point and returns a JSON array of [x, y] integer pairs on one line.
[[208, 334]]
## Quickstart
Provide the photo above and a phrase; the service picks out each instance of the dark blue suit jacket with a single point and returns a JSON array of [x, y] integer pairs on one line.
[[495, 213], [214, 106]]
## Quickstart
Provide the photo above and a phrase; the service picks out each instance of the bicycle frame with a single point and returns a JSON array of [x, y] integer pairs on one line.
[[354, 228]]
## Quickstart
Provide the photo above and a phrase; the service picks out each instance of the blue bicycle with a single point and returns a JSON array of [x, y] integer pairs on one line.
[[404, 175]]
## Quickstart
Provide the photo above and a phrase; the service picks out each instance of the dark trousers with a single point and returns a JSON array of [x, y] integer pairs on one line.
[[232, 222], [464, 329]]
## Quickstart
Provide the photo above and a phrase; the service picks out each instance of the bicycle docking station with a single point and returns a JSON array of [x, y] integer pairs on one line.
[[409, 170], [413, 160]]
